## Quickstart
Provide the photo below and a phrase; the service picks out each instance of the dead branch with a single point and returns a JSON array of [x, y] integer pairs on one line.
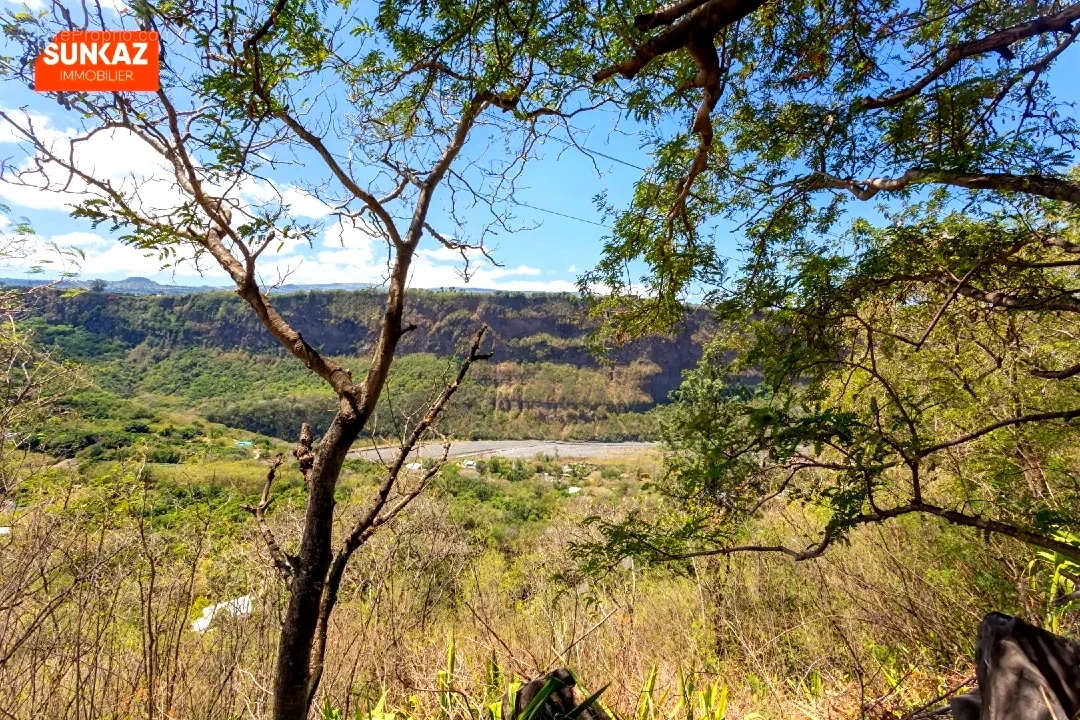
[[377, 515], [284, 563]]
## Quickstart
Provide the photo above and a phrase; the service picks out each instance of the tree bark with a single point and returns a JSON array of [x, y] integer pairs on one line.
[[295, 679], [298, 629]]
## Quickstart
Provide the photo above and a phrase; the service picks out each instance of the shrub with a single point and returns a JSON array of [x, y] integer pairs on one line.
[[162, 454]]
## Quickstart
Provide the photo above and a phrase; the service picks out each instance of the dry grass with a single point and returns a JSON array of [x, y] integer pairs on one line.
[[96, 610]]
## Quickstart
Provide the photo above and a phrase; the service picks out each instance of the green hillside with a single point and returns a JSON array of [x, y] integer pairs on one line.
[[206, 355]]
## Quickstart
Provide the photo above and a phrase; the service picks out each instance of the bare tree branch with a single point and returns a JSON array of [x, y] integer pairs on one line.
[[282, 562], [375, 515]]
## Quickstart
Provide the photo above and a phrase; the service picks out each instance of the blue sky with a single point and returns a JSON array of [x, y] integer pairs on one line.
[[561, 235]]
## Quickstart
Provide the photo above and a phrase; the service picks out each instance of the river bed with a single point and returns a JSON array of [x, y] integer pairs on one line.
[[516, 449]]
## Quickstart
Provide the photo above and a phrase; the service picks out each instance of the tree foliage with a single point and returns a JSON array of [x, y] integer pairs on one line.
[[917, 356], [367, 109]]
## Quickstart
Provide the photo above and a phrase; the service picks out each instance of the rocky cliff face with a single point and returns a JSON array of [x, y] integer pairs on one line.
[[525, 328]]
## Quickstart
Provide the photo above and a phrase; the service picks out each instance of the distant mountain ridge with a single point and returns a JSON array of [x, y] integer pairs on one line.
[[525, 327], [136, 285], [128, 286]]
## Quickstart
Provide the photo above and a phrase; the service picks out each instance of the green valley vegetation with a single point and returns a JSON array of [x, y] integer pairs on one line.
[[204, 355]]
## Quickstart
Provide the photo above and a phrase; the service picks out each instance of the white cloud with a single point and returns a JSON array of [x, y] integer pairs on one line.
[[82, 240], [90, 255], [441, 253], [116, 260], [115, 155], [116, 6], [130, 165], [302, 204], [361, 260], [350, 254], [10, 135], [519, 270], [366, 263], [341, 254], [528, 285], [34, 5]]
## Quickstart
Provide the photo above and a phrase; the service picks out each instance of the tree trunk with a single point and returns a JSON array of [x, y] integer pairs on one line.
[[292, 678]]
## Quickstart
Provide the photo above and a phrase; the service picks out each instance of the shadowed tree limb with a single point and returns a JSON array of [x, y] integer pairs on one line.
[[665, 15], [1062, 301], [703, 50], [833, 532], [378, 514], [282, 562], [1044, 186], [1065, 415], [999, 41], [1062, 374], [698, 20]]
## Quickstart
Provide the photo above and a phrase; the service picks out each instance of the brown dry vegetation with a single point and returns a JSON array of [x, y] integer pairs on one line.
[[102, 581]]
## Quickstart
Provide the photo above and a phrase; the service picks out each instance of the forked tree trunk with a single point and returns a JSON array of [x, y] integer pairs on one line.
[[292, 678], [316, 572]]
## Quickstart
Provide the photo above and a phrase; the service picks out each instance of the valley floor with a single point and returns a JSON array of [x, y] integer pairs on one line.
[[518, 449]]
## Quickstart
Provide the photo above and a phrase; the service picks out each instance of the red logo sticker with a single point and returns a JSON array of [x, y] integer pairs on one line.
[[99, 60]]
